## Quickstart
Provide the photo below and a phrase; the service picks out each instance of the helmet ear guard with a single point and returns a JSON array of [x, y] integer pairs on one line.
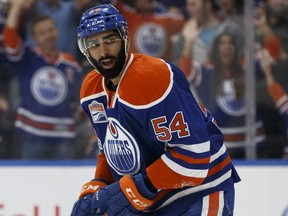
[[99, 19]]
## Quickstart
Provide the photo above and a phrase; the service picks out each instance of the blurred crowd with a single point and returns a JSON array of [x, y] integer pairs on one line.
[[41, 69]]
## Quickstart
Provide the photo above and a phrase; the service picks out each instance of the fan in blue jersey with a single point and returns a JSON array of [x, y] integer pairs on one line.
[[49, 82], [161, 152]]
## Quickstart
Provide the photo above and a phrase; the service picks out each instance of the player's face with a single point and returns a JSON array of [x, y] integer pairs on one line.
[[107, 51], [45, 34], [104, 48]]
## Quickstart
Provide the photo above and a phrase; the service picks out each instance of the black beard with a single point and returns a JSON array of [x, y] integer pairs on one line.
[[114, 71]]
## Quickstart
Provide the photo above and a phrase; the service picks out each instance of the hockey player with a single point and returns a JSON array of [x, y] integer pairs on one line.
[[161, 153]]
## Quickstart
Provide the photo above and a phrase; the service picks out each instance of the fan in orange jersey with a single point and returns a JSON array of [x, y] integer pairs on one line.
[[151, 27]]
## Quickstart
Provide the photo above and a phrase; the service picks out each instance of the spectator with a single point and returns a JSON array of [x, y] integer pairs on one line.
[[49, 82], [173, 6], [271, 33], [277, 19], [66, 15], [220, 87], [151, 29], [232, 16], [6, 111], [231, 10], [198, 33], [6, 128], [276, 91]]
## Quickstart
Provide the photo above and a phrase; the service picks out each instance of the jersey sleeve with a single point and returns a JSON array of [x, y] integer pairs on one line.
[[102, 171], [279, 96], [12, 41]]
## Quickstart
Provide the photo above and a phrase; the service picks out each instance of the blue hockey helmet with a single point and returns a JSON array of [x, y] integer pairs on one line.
[[99, 19]]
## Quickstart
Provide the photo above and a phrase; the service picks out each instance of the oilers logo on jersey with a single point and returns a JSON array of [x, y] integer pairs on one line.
[[151, 39], [49, 86], [227, 100], [121, 149]]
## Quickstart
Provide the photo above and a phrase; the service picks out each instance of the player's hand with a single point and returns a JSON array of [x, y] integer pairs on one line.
[[130, 196], [82, 207]]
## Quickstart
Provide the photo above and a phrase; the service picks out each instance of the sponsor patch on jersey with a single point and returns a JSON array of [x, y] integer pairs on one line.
[[49, 86], [151, 39], [121, 149], [97, 112]]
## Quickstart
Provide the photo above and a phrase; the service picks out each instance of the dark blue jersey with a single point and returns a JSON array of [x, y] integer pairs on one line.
[[152, 124], [49, 91]]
